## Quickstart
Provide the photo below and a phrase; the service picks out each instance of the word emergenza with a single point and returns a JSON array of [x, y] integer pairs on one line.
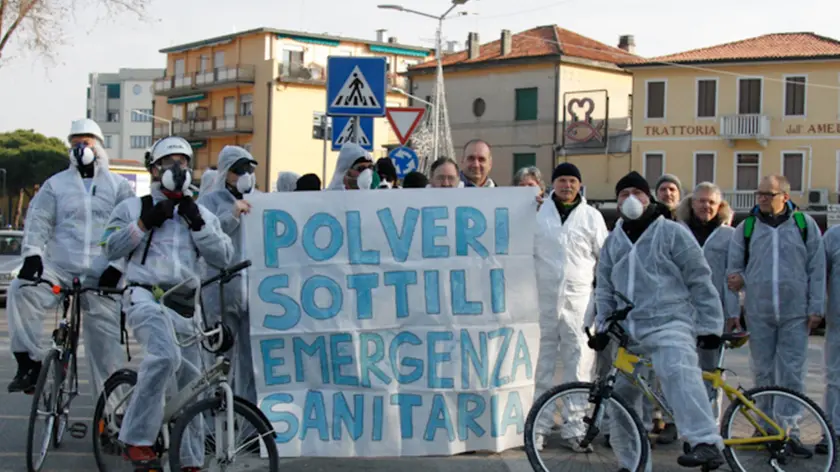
[[381, 327]]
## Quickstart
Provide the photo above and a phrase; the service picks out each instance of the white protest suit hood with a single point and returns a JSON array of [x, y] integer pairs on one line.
[[286, 181], [228, 157], [349, 153], [207, 179]]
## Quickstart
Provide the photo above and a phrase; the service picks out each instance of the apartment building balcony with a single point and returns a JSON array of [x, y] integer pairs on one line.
[[209, 127], [316, 74], [740, 200], [220, 77], [740, 127]]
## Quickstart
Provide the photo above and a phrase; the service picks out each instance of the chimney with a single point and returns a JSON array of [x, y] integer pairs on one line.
[[628, 43], [392, 40], [473, 45], [507, 42], [380, 35]]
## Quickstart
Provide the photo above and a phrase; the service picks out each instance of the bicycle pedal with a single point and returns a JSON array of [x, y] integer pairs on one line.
[[78, 430]]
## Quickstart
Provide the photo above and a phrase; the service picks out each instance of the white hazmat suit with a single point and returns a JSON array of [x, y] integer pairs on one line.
[[831, 241], [63, 225], [349, 153], [565, 256], [669, 282], [220, 201], [286, 182]]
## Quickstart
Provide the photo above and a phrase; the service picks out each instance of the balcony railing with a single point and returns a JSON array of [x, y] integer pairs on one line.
[[745, 127], [210, 126], [207, 80], [740, 199], [317, 74]]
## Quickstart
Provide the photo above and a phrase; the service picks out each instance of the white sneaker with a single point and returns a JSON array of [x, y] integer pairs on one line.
[[539, 442]]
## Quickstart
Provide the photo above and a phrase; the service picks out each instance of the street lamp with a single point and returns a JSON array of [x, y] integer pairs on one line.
[[156, 118], [438, 50]]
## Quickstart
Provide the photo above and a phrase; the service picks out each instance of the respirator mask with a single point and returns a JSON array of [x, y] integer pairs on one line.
[[246, 182], [82, 155], [632, 208], [175, 180]]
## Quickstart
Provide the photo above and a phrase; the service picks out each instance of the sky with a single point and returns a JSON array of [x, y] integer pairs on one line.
[[46, 97]]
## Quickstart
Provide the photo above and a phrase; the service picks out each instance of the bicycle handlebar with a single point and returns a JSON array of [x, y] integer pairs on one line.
[[76, 288], [227, 273], [616, 316]]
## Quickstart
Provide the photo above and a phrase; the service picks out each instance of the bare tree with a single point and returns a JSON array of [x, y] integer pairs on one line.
[[38, 25]]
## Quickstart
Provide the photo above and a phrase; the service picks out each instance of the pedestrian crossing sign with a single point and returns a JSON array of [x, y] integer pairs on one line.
[[356, 86], [343, 132]]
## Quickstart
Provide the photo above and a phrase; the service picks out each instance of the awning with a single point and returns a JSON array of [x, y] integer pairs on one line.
[[310, 40], [186, 98], [396, 50], [197, 144]]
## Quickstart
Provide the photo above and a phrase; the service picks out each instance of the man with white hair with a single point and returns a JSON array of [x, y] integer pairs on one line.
[[61, 242]]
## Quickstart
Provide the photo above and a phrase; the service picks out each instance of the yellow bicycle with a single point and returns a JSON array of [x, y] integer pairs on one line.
[[767, 441]]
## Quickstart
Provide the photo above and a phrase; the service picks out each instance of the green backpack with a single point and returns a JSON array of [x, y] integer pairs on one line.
[[749, 227]]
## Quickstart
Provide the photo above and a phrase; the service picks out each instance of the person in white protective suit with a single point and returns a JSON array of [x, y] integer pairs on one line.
[[61, 241], [353, 170], [207, 179], [286, 181], [831, 241], [161, 237], [567, 244], [783, 272], [234, 180], [708, 217], [658, 265]]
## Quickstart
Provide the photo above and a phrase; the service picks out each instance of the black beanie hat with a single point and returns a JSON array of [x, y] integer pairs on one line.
[[308, 182], [415, 179], [566, 169], [386, 170], [635, 180]]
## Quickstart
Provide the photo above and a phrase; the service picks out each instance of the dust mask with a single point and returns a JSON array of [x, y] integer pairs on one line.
[[368, 179], [176, 180], [82, 155], [632, 208], [245, 183]]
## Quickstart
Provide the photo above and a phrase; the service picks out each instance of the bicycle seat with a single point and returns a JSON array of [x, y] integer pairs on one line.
[[736, 339]]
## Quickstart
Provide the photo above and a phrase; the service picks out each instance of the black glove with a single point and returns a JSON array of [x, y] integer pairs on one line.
[[110, 278], [155, 216], [189, 210], [599, 342], [32, 268], [708, 341]]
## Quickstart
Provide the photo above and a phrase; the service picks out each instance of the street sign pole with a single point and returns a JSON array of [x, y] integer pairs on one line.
[[357, 129], [326, 129]]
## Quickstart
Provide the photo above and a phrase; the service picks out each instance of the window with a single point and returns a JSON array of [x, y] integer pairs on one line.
[[204, 64], [292, 61], [88, 113], [113, 90], [630, 106], [654, 166], [527, 159], [795, 96], [229, 107], [704, 167], [142, 115], [246, 104], [141, 142], [178, 112], [88, 93], [746, 171], [792, 168], [180, 69], [113, 116], [706, 98], [526, 104], [749, 96], [108, 141], [219, 59], [479, 107], [192, 108], [655, 99]]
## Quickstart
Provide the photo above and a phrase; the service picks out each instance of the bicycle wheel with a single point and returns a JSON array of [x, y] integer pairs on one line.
[[64, 394], [246, 418], [107, 418], [43, 411], [578, 419], [794, 454]]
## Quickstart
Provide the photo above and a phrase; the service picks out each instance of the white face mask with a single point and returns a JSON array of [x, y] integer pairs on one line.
[[176, 179], [82, 155], [632, 208], [245, 183], [365, 179]]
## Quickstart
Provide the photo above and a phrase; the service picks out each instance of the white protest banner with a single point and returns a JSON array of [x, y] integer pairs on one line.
[[393, 322]]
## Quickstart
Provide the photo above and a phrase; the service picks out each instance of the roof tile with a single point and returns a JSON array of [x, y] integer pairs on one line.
[[768, 46]]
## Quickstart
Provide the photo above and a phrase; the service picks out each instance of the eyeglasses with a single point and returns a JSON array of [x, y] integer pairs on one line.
[[767, 194], [244, 168]]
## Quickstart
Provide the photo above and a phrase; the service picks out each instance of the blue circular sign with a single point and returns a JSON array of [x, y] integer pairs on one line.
[[404, 159]]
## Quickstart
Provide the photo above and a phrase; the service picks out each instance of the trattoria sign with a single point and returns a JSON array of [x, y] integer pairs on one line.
[[819, 128], [681, 130]]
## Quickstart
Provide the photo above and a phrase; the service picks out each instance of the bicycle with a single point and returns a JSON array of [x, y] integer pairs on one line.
[[60, 388], [767, 436], [188, 403]]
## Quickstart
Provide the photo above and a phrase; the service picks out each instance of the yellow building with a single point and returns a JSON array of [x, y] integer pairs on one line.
[[519, 91], [261, 89], [735, 112]]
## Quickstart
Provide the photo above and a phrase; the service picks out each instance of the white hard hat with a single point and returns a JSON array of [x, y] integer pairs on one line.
[[86, 126], [166, 147]]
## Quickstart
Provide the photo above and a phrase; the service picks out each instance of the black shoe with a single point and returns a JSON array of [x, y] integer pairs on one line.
[[668, 434], [703, 455], [32, 378], [796, 449], [22, 380], [822, 447]]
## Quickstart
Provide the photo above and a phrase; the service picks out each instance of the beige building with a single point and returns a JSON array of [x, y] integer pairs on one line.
[[538, 97], [260, 89]]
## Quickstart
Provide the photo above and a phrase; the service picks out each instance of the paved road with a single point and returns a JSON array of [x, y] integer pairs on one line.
[[76, 456]]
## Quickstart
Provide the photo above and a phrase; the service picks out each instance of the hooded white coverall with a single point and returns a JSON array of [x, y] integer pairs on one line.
[[219, 201], [63, 225], [349, 153], [286, 181], [565, 256], [831, 241], [172, 257], [668, 280], [784, 282], [207, 179]]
